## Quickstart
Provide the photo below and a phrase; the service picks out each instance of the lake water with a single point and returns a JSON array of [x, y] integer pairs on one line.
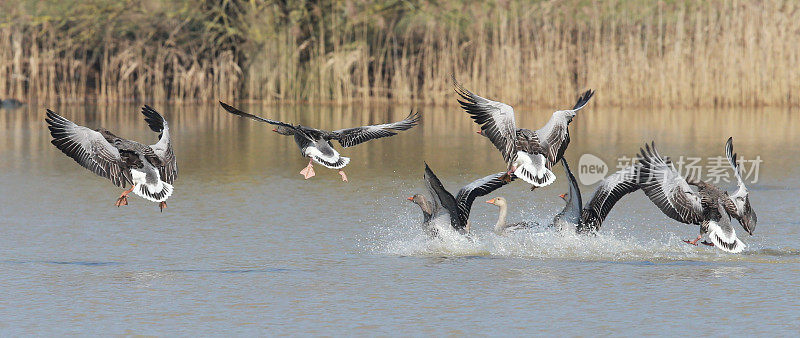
[[247, 246]]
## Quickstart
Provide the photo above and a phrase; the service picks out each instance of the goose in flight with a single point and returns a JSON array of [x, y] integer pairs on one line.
[[529, 154], [444, 209], [316, 144], [588, 218], [501, 227], [710, 206], [150, 170]]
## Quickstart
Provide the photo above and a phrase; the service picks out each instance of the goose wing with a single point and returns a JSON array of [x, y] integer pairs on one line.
[[737, 204], [353, 136], [610, 190], [572, 211], [442, 198], [168, 168], [238, 112], [667, 189], [89, 148], [555, 133], [495, 118], [480, 187]]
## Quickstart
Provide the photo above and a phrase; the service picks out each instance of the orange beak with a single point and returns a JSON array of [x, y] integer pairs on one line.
[[479, 131], [410, 198], [275, 130], [563, 195], [491, 201]]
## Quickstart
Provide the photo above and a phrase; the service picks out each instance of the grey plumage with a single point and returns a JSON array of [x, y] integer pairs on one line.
[[668, 190], [497, 123], [118, 159], [316, 143], [589, 217], [456, 209]]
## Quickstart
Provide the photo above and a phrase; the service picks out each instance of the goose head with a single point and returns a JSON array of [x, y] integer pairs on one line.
[[283, 130], [498, 201], [744, 212]]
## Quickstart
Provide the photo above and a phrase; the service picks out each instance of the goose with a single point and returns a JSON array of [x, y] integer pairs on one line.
[[710, 206], [316, 144], [501, 227], [529, 154], [444, 210], [583, 219], [11, 103], [150, 170]]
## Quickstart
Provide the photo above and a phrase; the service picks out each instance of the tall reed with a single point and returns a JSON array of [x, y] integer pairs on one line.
[[661, 53]]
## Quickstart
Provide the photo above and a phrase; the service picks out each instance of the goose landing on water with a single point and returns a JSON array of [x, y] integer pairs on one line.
[[589, 218], [529, 154], [710, 206], [150, 170], [316, 144], [444, 209]]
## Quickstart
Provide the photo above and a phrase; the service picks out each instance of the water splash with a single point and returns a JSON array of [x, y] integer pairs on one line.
[[408, 239]]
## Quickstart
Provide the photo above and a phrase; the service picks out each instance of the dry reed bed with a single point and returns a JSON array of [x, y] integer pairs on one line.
[[685, 54]]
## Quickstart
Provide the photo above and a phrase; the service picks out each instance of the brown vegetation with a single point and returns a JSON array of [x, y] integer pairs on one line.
[[665, 53]]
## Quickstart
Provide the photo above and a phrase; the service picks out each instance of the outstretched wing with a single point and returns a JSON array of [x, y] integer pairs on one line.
[[168, 169], [556, 133], [736, 170], [610, 190], [238, 112], [89, 148], [572, 211], [667, 189], [738, 204], [495, 118], [441, 197], [477, 188], [352, 136]]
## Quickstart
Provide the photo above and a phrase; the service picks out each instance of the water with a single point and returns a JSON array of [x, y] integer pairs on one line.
[[247, 246]]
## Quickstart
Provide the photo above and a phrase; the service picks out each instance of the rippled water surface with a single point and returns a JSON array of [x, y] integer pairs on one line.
[[247, 246]]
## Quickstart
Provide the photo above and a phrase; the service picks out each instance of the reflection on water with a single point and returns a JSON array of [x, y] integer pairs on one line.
[[248, 246]]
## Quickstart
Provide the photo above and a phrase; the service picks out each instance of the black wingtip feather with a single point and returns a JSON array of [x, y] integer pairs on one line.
[[583, 99], [154, 120]]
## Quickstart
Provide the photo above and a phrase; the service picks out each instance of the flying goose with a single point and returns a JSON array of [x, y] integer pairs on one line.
[[501, 227], [444, 209], [589, 217], [710, 206], [150, 170], [529, 154], [316, 144]]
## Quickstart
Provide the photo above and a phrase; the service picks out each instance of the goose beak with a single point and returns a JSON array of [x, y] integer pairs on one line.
[[479, 132], [411, 198], [275, 130], [564, 196], [491, 201]]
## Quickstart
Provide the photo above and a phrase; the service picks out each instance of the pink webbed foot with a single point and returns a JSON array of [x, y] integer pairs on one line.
[[308, 172], [344, 176], [122, 200], [694, 242]]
